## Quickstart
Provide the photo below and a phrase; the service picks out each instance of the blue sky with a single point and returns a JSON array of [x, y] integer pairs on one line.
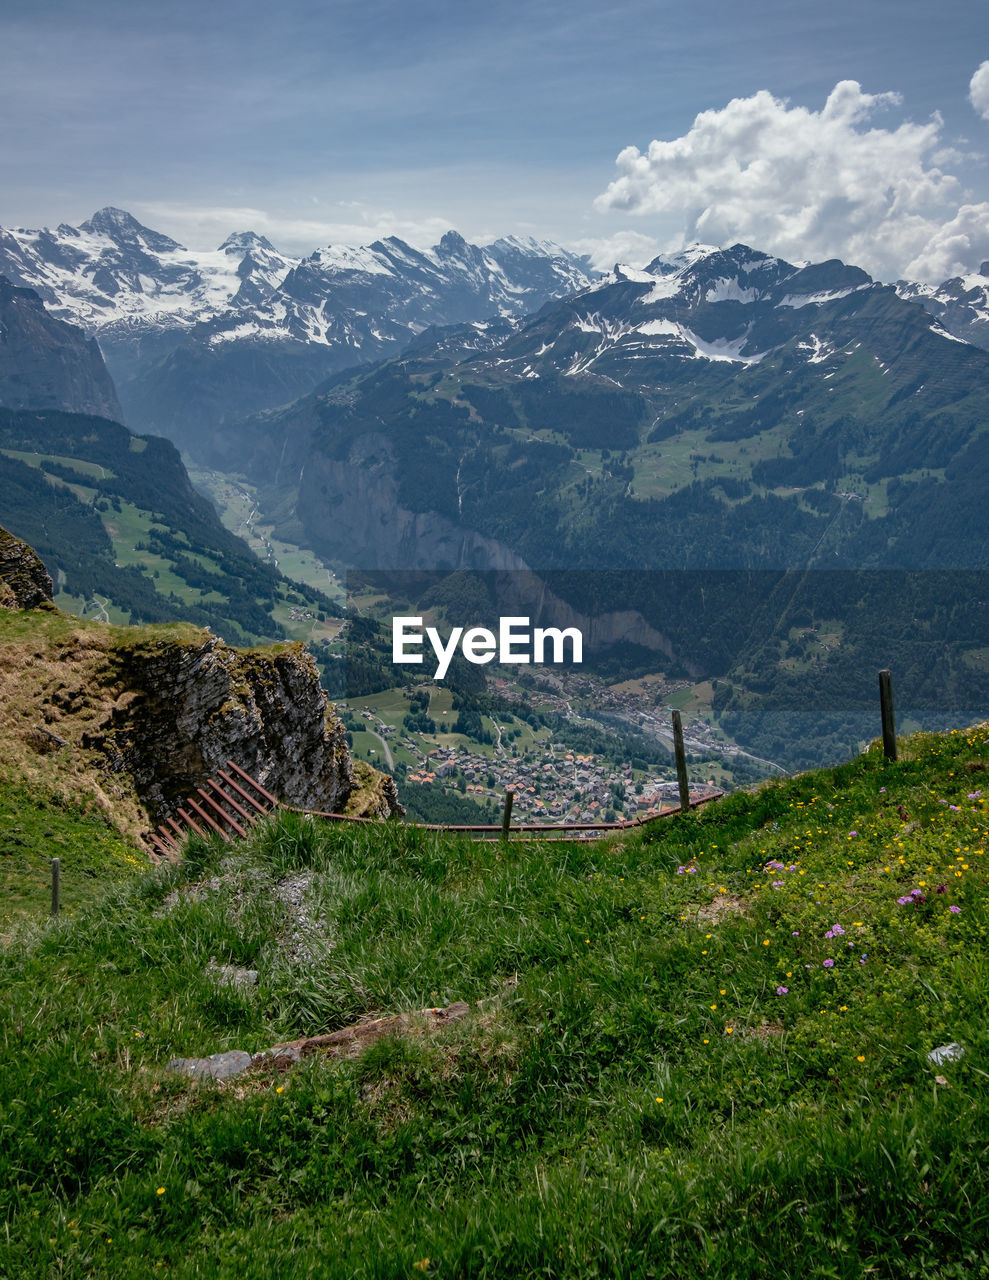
[[341, 120]]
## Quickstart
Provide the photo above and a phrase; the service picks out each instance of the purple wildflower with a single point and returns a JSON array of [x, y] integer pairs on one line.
[[974, 795], [903, 901], [829, 964], [777, 884], [941, 888], [955, 911], [782, 991]]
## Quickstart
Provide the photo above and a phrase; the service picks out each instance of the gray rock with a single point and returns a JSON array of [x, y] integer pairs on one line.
[[945, 1053], [304, 931], [229, 975], [218, 1066]]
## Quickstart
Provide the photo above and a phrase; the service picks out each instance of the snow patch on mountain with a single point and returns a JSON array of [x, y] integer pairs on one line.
[[658, 327], [667, 287], [960, 305], [722, 349], [725, 290], [798, 300], [943, 333], [819, 351]]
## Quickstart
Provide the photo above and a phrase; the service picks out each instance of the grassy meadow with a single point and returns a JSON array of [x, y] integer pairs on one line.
[[700, 1048]]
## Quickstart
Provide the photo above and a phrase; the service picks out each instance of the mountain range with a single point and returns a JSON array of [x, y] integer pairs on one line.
[[719, 409], [192, 338], [121, 529], [499, 408]]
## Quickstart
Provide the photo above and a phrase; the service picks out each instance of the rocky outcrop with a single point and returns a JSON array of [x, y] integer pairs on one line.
[[24, 581], [132, 720], [185, 709], [46, 363]]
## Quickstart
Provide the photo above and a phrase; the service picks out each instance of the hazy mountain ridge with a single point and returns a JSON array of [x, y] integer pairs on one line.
[[722, 409], [46, 363], [195, 338], [114, 515]]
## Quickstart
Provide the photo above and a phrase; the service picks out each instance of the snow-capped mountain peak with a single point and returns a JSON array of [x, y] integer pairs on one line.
[[734, 306], [112, 271], [960, 304], [160, 310], [123, 229], [239, 242]]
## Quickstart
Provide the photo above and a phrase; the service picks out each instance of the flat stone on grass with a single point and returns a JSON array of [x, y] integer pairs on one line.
[[218, 1066]]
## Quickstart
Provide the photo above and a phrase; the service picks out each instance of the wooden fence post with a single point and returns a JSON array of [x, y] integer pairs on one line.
[[681, 762], [886, 710], [56, 885], [506, 819]]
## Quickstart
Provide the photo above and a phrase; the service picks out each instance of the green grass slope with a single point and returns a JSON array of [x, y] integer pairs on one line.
[[702, 1049]]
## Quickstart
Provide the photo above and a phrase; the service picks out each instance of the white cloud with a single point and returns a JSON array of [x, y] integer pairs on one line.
[[348, 222], [623, 246], [811, 184], [961, 245], [978, 91]]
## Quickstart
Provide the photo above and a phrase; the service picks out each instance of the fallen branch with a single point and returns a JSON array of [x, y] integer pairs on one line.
[[348, 1042]]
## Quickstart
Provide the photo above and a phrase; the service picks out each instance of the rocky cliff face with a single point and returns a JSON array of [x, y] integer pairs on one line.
[[134, 719], [186, 709], [351, 509], [48, 364], [24, 581]]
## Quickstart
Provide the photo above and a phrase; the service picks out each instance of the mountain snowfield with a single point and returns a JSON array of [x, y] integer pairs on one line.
[[111, 271], [961, 304], [735, 306], [189, 336]]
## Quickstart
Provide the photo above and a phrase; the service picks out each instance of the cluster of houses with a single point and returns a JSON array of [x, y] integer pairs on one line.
[[557, 784]]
